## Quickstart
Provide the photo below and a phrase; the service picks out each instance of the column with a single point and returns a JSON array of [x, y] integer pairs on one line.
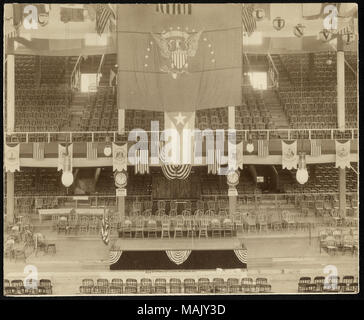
[[10, 197], [121, 206], [340, 75], [233, 198], [10, 93]]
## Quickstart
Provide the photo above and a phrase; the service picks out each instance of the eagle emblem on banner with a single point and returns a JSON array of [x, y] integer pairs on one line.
[[177, 46], [12, 163], [342, 154]]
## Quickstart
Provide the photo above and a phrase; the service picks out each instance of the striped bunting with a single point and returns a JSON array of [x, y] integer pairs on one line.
[[174, 8], [91, 151], [242, 255], [171, 172], [214, 161], [315, 148], [38, 150], [141, 161], [103, 15], [249, 23], [178, 256], [114, 256], [263, 148]]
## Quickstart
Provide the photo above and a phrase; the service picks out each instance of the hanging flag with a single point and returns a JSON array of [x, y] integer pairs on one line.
[[289, 155], [103, 15], [38, 150], [105, 229], [174, 8], [315, 148], [91, 152], [180, 62], [141, 161], [342, 154], [263, 150], [240, 155], [182, 142], [62, 156], [249, 22], [12, 161], [120, 157]]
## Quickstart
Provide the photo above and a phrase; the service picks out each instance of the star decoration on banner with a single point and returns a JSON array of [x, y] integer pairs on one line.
[[180, 119]]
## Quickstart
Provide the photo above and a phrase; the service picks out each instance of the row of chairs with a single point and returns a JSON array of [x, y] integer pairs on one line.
[[332, 284], [31, 287], [175, 286]]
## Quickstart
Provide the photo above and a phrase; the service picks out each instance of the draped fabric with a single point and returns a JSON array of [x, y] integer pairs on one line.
[[38, 150], [141, 161], [114, 256], [179, 62], [242, 255], [12, 162], [289, 155], [178, 256], [91, 151], [62, 151], [315, 148], [263, 150], [342, 154], [105, 230]]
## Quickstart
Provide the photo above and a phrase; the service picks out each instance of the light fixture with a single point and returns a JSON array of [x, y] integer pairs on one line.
[[107, 149], [67, 178], [302, 173], [250, 145]]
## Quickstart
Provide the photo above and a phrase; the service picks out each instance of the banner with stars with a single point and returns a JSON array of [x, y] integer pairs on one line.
[[179, 62]]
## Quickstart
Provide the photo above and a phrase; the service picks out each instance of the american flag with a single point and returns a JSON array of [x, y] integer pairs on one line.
[[103, 15], [315, 148], [174, 8], [38, 150], [91, 151], [249, 23], [263, 148]]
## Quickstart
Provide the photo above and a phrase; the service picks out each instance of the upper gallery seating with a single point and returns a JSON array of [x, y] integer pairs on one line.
[[42, 94], [216, 118], [309, 97]]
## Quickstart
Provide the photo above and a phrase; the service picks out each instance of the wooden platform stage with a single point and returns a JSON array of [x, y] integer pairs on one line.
[[178, 244]]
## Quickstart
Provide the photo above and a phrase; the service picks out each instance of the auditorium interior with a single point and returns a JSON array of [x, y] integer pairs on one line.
[[81, 219]]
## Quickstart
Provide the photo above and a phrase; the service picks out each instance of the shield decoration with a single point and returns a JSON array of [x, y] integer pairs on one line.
[[179, 59]]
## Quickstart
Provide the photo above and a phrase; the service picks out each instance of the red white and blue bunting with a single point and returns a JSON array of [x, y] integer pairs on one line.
[[242, 255], [174, 171], [178, 256]]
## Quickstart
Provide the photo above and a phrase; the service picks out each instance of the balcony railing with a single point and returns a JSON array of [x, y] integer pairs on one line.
[[115, 136]]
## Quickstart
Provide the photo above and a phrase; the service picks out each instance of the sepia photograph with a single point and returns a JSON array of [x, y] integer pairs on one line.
[[180, 149]]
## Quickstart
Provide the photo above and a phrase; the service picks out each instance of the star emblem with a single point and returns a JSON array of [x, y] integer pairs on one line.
[[180, 119]]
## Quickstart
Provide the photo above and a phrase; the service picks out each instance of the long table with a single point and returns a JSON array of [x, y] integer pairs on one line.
[[67, 211]]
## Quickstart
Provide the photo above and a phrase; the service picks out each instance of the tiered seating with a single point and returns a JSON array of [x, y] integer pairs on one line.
[[331, 284], [216, 118], [309, 100], [53, 70], [323, 179], [101, 113], [175, 285], [18, 287], [26, 71], [43, 109], [253, 113]]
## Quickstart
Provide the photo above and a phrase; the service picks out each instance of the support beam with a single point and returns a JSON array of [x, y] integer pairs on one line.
[[10, 197], [340, 78], [10, 93]]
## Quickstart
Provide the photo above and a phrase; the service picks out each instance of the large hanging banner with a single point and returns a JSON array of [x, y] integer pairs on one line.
[[179, 62], [289, 155], [62, 155], [119, 157], [342, 154], [178, 256], [12, 162]]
